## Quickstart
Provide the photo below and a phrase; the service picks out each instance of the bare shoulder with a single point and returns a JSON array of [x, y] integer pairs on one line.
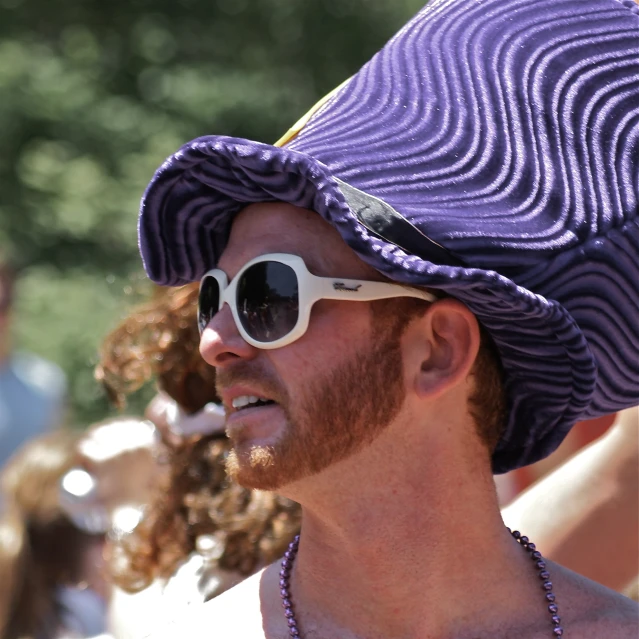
[[592, 611], [235, 613]]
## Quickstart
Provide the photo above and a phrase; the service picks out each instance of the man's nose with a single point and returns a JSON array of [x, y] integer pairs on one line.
[[221, 342]]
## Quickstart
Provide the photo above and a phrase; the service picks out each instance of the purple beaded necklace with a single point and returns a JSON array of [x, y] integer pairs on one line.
[[524, 542]]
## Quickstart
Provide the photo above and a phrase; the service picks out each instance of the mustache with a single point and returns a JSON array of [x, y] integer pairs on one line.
[[251, 373]]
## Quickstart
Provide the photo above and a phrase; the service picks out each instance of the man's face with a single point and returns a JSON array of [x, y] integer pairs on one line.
[[332, 391]]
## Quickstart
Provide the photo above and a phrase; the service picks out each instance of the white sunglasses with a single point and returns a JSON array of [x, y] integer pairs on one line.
[[272, 295]]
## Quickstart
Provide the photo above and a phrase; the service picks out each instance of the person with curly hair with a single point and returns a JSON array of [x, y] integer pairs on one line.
[[201, 533], [52, 582]]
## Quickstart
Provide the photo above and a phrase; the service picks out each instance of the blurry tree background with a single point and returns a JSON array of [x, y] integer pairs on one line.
[[94, 95]]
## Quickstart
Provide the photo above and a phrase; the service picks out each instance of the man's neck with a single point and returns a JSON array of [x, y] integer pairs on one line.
[[420, 553]]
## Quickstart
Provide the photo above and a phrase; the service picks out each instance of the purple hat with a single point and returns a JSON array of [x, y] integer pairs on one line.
[[491, 150]]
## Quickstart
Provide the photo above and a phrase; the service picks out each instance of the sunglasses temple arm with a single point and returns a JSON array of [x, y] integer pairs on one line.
[[344, 289]]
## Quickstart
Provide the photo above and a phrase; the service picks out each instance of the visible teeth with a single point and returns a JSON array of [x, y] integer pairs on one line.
[[245, 400]]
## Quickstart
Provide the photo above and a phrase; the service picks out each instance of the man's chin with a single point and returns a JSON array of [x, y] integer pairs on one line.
[[255, 468]]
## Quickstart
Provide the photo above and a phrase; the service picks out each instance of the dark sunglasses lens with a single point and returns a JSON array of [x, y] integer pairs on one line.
[[268, 301], [208, 301]]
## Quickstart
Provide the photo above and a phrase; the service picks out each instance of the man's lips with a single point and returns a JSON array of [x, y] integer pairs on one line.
[[256, 423], [249, 412], [238, 395]]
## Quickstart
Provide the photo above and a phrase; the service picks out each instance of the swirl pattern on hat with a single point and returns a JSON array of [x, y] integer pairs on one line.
[[506, 131]]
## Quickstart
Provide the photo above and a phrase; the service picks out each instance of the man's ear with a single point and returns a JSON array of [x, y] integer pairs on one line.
[[442, 346]]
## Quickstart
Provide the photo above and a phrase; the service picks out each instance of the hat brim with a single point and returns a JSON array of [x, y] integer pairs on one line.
[[186, 216]]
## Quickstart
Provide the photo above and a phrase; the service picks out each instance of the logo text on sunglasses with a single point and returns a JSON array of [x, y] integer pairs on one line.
[[340, 286]]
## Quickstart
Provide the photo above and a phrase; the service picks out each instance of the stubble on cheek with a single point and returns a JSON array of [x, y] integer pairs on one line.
[[333, 414]]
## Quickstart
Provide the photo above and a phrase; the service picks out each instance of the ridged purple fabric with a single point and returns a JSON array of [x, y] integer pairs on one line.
[[508, 132]]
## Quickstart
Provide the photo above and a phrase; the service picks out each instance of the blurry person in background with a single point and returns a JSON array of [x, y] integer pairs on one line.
[[203, 533], [12, 541], [116, 474], [51, 584], [32, 390], [511, 484], [585, 514]]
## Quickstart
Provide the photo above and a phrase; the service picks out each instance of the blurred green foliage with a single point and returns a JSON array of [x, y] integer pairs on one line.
[[94, 95]]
